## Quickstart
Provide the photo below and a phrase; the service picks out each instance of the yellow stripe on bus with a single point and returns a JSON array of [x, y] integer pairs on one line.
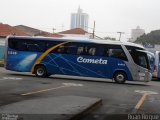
[[44, 54]]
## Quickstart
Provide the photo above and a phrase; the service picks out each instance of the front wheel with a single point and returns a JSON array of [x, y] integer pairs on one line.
[[120, 77], [40, 71]]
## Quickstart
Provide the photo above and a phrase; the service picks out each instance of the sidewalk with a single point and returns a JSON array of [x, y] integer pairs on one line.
[[52, 108]]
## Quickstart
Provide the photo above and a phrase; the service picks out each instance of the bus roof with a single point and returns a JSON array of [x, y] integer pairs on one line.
[[73, 39]]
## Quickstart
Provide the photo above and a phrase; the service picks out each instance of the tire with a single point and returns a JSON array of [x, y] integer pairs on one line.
[[120, 77], [40, 71]]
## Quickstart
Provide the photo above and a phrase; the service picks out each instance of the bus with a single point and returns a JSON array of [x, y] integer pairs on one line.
[[156, 70], [45, 56]]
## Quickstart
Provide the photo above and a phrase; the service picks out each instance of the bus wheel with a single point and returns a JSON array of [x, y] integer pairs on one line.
[[40, 71], [120, 77]]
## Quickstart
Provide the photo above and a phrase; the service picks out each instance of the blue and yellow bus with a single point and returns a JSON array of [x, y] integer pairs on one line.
[[77, 57]]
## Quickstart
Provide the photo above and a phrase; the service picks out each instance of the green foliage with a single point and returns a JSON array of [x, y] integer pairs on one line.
[[153, 38], [109, 38]]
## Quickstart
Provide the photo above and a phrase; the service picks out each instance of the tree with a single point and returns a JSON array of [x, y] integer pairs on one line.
[[109, 38], [153, 38]]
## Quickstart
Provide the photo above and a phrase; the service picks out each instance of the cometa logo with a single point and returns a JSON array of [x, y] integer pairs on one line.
[[93, 61]]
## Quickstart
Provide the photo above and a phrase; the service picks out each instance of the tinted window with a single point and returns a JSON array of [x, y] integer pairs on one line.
[[35, 46], [13, 44], [131, 48], [140, 58], [69, 48], [76, 49], [50, 44], [86, 49], [115, 51], [31, 45]]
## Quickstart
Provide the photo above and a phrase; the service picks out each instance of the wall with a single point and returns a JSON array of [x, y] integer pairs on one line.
[[2, 43]]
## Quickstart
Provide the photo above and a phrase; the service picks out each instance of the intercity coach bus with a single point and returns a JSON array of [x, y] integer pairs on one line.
[[77, 57]]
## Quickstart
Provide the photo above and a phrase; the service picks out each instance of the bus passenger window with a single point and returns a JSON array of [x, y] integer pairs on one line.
[[80, 50], [117, 53], [22, 45], [60, 49], [92, 51], [13, 44]]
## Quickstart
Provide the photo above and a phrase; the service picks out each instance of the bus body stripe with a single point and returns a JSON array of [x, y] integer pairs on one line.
[[44, 54]]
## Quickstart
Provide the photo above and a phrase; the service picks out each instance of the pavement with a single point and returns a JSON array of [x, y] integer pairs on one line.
[[50, 108]]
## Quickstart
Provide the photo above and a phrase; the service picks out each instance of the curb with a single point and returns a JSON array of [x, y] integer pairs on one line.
[[87, 110]]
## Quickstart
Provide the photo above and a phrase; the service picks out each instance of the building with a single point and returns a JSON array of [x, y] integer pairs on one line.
[[135, 33], [75, 32], [29, 30], [79, 20], [6, 30], [78, 33], [47, 34], [36, 32]]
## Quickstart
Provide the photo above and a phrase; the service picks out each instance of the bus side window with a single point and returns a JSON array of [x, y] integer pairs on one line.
[[22, 45], [116, 51], [72, 49], [100, 51], [80, 50], [35, 46], [60, 49], [86, 49], [13, 44], [92, 51]]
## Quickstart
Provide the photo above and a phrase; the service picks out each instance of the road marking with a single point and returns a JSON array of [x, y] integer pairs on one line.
[[44, 90], [145, 94], [142, 91], [11, 78], [139, 103], [72, 84], [65, 85]]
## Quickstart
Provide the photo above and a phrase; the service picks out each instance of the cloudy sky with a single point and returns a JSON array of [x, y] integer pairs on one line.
[[111, 16]]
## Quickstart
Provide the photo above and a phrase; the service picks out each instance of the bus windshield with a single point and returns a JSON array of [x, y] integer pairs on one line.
[[139, 56]]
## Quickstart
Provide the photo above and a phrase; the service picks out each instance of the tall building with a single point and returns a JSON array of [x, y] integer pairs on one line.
[[79, 20], [135, 33]]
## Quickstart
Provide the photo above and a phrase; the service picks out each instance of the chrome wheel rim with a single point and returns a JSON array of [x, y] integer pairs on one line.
[[120, 77], [40, 71]]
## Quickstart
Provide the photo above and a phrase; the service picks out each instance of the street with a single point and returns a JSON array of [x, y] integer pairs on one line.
[[117, 99]]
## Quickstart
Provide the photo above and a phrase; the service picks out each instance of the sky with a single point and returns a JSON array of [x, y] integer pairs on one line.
[[110, 16]]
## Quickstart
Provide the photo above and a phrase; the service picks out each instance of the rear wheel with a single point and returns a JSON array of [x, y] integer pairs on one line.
[[40, 71], [120, 77]]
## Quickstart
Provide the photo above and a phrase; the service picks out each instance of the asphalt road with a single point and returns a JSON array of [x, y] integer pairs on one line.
[[118, 99]]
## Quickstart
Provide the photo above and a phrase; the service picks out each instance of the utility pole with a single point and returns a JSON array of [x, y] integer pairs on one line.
[[93, 29], [120, 33], [53, 29]]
